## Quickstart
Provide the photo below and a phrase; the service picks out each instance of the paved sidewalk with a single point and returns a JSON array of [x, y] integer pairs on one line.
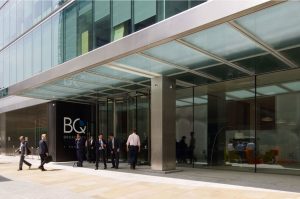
[[63, 181]]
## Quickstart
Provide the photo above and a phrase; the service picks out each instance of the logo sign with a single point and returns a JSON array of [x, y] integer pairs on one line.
[[78, 125]]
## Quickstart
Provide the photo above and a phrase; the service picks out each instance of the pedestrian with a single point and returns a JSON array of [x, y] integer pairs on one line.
[[79, 149], [43, 151], [133, 147], [100, 151], [114, 148], [192, 147], [24, 151]]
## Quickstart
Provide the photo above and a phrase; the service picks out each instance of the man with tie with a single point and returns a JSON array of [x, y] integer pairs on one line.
[[100, 150], [79, 142], [114, 148], [133, 146]]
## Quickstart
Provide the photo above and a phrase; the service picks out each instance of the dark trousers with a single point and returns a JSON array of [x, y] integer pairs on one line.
[[100, 154], [79, 154], [133, 152], [91, 155], [22, 159], [115, 158], [43, 157]]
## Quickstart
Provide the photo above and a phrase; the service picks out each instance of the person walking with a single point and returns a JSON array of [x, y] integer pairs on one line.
[[23, 150], [79, 142], [133, 147], [100, 151], [43, 151], [114, 148]]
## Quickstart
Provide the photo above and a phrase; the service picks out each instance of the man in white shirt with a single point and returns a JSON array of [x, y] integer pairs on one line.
[[133, 146]]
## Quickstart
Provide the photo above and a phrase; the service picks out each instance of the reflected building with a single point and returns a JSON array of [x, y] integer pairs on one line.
[[227, 72]]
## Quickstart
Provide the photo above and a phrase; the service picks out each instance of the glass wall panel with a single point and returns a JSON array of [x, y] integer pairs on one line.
[[32, 122], [37, 50], [121, 129], [144, 9], [200, 125], [27, 56], [85, 27], [13, 19], [1, 30], [57, 39], [121, 11], [121, 19], [28, 14], [37, 11], [20, 60], [184, 124], [174, 7], [143, 126], [12, 64], [102, 23], [46, 7], [101, 9], [278, 122], [144, 13], [1, 70], [46, 45], [70, 34], [196, 2], [20, 17], [5, 11], [56, 4], [5, 67]]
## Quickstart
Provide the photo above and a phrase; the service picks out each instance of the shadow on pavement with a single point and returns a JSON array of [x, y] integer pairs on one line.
[[3, 179]]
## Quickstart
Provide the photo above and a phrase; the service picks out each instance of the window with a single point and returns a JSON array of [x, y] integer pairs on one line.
[[20, 61], [70, 37], [36, 50], [46, 45], [27, 56]]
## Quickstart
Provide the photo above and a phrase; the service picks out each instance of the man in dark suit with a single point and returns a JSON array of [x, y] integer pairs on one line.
[[43, 151], [114, 148], [23, 150], [100, 150], [79, 142]]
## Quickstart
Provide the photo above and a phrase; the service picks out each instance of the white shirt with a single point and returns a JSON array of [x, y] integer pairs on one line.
[[133, 140]]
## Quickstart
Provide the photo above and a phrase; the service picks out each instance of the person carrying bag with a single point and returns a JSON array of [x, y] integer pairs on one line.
[[43, 151]]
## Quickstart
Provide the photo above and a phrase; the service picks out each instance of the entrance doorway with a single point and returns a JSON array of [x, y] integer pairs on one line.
[[121, 114]]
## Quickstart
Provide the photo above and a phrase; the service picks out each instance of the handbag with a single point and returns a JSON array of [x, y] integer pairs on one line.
[[48, 159]]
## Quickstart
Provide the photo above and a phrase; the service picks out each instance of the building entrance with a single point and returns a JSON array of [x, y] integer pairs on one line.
[[120, 115]]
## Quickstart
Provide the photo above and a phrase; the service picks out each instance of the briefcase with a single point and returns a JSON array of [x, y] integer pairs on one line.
[[48, 159]]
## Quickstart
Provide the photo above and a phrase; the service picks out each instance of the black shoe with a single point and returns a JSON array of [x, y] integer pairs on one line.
[[105, 167], [44, 169], [19, 169], [113, 167], [96, 168], [116, 167], [29, 167]]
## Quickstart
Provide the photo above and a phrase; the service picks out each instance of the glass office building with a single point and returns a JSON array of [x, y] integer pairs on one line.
[[227, 71]]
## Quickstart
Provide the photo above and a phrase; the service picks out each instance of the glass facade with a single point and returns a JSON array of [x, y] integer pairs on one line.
[[122, 114], [79, 28], [29, 122], [245, 124], [238, 82]]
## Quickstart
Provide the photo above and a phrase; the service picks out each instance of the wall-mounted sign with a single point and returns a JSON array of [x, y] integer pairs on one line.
[[77, 125]]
